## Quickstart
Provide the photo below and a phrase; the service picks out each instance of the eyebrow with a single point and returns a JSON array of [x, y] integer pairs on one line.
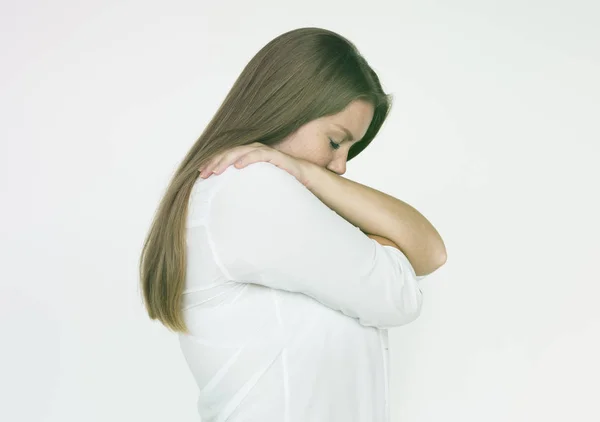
[[348, 134]]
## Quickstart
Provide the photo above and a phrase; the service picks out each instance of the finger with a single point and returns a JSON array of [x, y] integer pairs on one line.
[[210, 163], [202, 167], [218, 164], [205, 169], [235, 154], [209, 168], [253, 157], [228, 160]]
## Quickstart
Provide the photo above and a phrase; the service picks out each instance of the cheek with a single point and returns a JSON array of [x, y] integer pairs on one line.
[[314, 149], [310, 144], [320, 153]]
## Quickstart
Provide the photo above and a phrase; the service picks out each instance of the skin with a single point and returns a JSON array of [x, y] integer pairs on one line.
[[316, 142], [311, 142], [323, 142]]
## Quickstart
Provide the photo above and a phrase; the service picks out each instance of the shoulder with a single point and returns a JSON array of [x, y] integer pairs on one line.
[[260, 185], [258, 176], [260, 173], [258, 169], [260, 189]]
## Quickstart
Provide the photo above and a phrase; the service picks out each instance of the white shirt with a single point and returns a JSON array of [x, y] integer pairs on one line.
[[288, 303]]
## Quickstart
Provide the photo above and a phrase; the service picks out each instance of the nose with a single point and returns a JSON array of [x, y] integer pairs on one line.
[[338, 166]]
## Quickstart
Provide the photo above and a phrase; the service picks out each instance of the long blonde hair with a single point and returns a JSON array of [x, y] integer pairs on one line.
[[297, 77]]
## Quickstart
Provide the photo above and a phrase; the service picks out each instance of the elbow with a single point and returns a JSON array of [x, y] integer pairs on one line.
[[442, 253], [431, 266], [405, 312], [443, 258], [412, 310], [410, 304], [403, 318], [408, 309]]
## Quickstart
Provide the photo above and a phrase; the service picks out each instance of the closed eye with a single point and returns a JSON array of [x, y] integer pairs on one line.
[[333, 144]]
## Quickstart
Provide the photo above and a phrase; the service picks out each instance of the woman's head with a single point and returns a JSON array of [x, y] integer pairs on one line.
[[327, 141], [291, 95], [300, 76]]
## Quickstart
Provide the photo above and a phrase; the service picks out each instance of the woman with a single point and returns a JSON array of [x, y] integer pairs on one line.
[[280, 276]]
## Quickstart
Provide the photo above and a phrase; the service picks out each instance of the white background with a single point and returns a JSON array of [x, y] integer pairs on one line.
[[494, 137]]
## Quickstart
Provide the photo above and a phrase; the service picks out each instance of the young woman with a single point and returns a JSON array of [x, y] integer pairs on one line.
[[280, 276]]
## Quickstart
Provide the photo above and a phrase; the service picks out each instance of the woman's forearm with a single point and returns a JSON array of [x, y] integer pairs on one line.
[[378, 213]]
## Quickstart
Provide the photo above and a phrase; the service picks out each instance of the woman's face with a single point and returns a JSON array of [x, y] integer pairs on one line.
[[316, 140]]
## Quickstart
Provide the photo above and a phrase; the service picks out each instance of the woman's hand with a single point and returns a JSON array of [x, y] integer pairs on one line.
[[246, 154]]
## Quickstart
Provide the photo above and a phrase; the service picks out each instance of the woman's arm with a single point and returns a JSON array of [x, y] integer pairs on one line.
[[380, 214], [266, 228]]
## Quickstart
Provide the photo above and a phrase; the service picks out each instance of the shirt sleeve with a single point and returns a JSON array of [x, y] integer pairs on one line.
[[267, 228]]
